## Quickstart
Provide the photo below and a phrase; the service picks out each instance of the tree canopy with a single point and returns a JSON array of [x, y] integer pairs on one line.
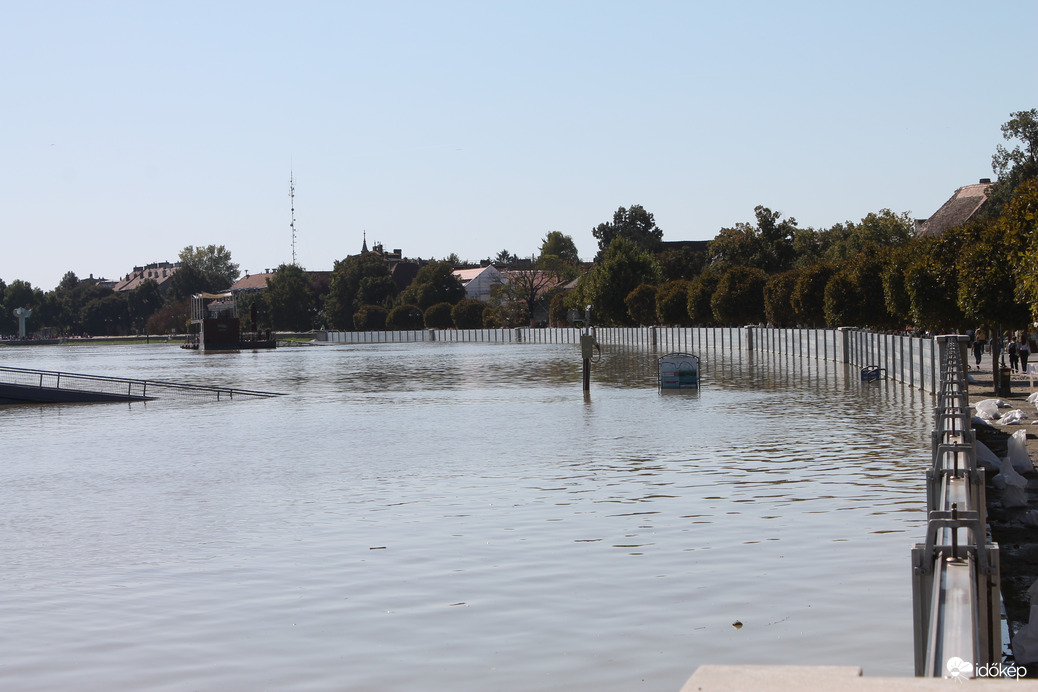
[[558, 245], [214, 263], [635, 224]]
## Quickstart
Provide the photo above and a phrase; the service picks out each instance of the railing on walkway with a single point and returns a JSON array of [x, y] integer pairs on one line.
[[121, 387], [955, 582]]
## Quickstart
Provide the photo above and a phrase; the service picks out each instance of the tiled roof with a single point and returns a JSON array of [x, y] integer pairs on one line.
[[160, 272], [251, 282], [966, 202]]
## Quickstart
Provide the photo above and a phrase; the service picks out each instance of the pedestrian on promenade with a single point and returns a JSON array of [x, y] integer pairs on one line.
[[1014, 354], [1025, 351], [979, 343]]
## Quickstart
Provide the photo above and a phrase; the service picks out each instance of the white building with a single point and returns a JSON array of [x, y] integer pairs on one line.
[[480, 282]]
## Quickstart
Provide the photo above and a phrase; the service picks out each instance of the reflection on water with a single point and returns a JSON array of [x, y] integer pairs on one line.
[[456, 516]]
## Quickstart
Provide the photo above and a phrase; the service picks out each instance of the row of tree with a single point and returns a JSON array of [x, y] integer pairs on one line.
[[872, 273]]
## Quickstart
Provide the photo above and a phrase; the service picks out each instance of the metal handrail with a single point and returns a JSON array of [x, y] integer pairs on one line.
[[103, 383], [956, 573]]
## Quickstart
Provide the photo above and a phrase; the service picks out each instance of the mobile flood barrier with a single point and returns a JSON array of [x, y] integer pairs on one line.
[[955, 572]]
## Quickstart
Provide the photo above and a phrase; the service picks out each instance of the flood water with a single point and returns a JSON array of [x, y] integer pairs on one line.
[[455, 517]]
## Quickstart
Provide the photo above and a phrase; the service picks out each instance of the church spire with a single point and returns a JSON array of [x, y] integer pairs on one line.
[[364, 247]]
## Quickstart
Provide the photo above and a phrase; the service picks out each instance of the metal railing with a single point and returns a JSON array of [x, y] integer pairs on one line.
[[955, 573], [122, 387]]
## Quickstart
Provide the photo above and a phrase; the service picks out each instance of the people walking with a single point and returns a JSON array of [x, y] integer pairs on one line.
[[1025, 351], [1014, 354], [979, 342]]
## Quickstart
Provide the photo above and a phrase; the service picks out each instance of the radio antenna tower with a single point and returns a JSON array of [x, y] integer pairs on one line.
[[292, 202]]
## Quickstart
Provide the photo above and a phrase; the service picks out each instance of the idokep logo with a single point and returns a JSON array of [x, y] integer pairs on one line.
[[961, 670], [957, 668]]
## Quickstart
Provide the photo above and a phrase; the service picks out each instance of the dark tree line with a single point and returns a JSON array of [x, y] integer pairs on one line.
[[873, 273]]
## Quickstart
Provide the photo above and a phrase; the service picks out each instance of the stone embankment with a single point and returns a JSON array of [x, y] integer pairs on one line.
[[1011, 527]]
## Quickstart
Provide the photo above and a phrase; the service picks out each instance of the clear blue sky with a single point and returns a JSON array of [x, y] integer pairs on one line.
[[129, 130]]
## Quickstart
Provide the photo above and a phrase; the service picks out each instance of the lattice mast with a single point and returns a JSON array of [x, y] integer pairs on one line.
[[292, 203]]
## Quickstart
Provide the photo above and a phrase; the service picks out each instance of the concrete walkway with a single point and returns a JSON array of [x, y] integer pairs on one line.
[[712, 678]]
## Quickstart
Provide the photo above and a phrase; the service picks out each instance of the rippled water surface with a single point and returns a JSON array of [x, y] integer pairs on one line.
[[455, 517]]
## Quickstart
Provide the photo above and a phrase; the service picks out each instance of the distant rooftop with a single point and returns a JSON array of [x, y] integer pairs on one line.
[[962, 207]]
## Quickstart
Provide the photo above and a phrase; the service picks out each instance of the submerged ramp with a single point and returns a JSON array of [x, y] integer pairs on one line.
[[27, 386]]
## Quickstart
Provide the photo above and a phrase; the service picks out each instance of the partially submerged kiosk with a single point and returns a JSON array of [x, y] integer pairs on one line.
[[678, 371], [215, 326]]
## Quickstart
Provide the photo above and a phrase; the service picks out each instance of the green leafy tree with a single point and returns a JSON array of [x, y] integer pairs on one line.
[[635, 224], [21, 294], [6, 319], [987, 276], [405, 317], [376, 290], [187, 281], [438, 316], [559, 245], [856, 297], [841, 305], [684, 263], [1019, 225], [468, 314], [505, 259], [739, 297], [808, 297], [767, 246], [70, 297], [213, 262], [895, 292], [1013, 166], [107, 316], [357, 280], [142, 302], [700, 295], [370, 318], [253, 310], [641, 305], [933, 283], [778, 298], [672, 303], [290, 299], [434, 283], [558, 310], [624, 266], [171, 318]]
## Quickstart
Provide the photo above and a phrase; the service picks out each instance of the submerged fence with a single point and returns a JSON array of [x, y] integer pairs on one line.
[[909, 359]]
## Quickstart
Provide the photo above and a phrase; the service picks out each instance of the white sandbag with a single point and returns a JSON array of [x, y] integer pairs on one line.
[[986, 458], [977, 421], [1033, 399], [987, 409], [998, 403], [1018, 452], [1008, 477], [1014, 417], [1025, 643], [1014, 497]]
